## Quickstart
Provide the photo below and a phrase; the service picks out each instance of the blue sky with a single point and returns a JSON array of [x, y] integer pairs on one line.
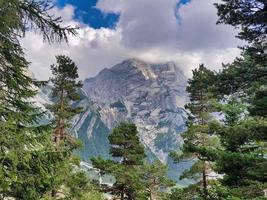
[[87, 13]]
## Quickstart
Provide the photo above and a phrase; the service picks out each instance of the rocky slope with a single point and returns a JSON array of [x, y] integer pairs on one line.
[[150, 95]]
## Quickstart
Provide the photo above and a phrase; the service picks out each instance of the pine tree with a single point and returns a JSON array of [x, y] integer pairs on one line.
[[64, 91], [258, 105], [249, 15], [249, 75], [240, 91], [70, 181], [243, 131], [197, 136], [25, 146], [129, 154], [126, 145], [156, 180], [241, 156]]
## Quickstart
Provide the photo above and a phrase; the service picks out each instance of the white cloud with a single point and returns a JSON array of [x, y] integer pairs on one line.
[[92, 49], [198, 29], [152, 30], [145, 24]]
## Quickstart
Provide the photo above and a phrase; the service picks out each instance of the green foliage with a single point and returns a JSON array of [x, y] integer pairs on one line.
[[64, 91], [240, 156], [217, 191], [26, 155], [249, 71], [243, 131], [244, 76], [199, 94], [194, 172], [188, 193], [93, 195], [198, 135], [249, 15], [69, 182], [128, 178], [31, 168], [259, 103], [126, 147], [135, 179], [156, 179], [239, 95]]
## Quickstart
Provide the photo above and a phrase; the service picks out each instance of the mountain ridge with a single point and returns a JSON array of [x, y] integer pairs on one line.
[[150, 95], [135, 90]]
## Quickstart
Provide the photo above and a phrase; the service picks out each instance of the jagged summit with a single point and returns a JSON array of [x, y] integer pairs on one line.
[[145, 67], [150, 95]]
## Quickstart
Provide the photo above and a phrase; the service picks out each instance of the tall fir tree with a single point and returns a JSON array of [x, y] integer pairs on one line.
[[25, 145], [197, 134], [156, 180], [239, 89], [241, 156], [129, 155], [64, 91]]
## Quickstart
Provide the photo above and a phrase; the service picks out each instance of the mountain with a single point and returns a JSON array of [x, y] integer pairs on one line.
[[150, 95]]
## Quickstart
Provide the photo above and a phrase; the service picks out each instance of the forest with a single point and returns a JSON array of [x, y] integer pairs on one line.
[[226, 127]]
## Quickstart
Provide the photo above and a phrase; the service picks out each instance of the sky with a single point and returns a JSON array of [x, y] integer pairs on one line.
[[155, 31], [86, 12]]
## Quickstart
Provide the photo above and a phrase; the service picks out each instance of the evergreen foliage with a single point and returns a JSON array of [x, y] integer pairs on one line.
[[250, 69], [135, 179], [249, 15], [197, 135], [156, 180], [26, 149], [129, 155], [64, 92], [34, 166], [244, 139], [126, 145], [238, 93], [69, 181]]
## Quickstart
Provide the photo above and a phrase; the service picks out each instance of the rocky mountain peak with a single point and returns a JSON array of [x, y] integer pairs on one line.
[[122, 78], [150, 95]]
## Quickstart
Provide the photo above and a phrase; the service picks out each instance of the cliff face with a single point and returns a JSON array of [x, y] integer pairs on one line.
[[150, 95]]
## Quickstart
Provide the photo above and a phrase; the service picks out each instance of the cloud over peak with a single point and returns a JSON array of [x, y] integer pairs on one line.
[[151, 30]]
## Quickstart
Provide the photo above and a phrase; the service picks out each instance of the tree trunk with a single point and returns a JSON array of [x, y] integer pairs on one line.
[[53, 193], [59, 130], [204, 177], [204, 172], [122, 194], [61, 121]]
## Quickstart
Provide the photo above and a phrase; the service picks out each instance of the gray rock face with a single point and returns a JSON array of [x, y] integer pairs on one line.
[[150, 95]]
